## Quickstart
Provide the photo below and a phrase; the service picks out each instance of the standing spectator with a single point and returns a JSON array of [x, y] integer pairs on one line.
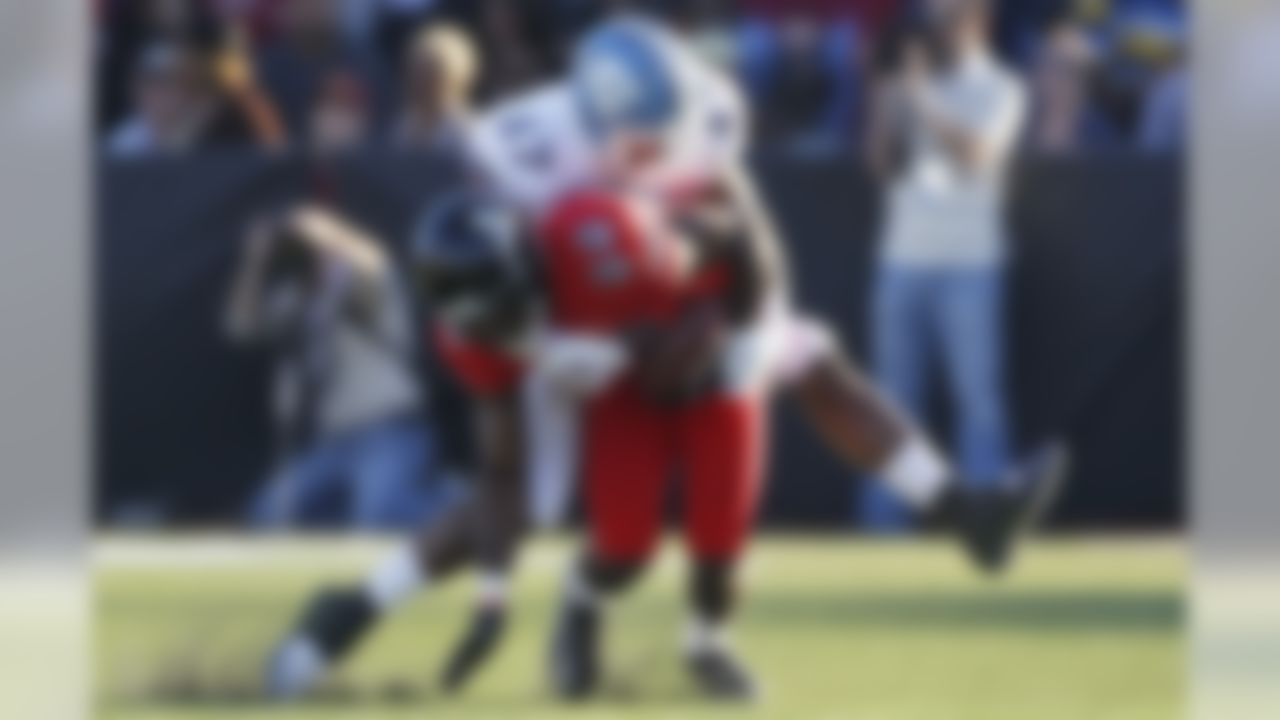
[[172, 106], [187, 97], [129, 29], [323, 297], [312, 46], [213, 40], [1066, 117], [439, 79], [939, 285]]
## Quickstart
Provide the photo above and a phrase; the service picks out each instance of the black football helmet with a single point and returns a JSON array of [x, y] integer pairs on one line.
[[472, 264]]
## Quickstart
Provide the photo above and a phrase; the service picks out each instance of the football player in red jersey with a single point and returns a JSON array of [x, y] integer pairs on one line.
[[677, 410], [612, 267]]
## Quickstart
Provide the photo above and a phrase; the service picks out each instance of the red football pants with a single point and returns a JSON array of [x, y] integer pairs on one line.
[[634, 448]]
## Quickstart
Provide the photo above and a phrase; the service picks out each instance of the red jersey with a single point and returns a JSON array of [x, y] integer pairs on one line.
[[608, 264], [481, 369]]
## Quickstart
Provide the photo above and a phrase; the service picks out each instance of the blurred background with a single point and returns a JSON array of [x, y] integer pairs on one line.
[[210, 113]]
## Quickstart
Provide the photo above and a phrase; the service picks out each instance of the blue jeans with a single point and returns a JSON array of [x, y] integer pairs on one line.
[[377, 474], [952, 316]]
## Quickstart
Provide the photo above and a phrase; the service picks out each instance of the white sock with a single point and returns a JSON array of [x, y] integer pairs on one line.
[[396, 578], [492, 588], [916, 472], [702, 636], [578, 590]]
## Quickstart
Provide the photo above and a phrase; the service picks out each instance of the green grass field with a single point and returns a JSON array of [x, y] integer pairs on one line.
[[1085, 629]]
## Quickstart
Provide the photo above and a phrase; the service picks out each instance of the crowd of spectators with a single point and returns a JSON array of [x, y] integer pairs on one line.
[[337, 74]]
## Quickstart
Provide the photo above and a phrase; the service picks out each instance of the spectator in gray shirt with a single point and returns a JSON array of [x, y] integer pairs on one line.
[[939, 286]]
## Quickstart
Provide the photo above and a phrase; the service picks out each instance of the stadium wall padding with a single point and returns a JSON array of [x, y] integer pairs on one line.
[[1095, 322]]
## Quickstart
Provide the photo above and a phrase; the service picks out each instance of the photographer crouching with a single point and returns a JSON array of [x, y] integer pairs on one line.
[[322, 297]]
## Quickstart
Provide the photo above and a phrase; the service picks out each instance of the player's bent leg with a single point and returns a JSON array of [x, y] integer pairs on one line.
[[500, 529], [865, 430], [576, 663], [553, 448], [723, 446], [853, 418], [483, 634], [626, 459], [724, 441], [333, 623], [336, 619], [714, 664], [512, 510]]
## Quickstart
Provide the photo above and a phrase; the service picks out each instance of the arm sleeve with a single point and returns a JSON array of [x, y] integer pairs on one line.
[[481, 371]]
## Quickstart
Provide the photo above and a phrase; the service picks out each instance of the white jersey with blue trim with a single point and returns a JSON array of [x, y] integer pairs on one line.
[[533, 148], [712, 136]]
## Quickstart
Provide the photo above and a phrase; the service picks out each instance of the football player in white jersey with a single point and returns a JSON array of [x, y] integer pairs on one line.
[[639, 111]]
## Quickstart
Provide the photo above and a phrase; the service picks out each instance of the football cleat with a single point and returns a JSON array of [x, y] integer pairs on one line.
[[575, 651], [477, 645], [721, 675], [991, 519], [333, 623]]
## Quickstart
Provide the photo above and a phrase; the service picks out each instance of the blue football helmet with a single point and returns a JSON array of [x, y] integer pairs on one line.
[[630, 74]]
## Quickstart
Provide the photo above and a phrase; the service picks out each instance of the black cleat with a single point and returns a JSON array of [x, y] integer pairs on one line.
[[990, 520], [334, 622], [575, 652], [477, 645], [720, 675]]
